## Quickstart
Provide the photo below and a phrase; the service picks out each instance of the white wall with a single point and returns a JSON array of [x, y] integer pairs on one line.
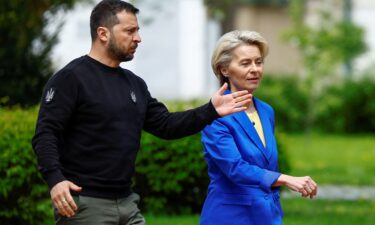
[[364, 15], [174, 55]]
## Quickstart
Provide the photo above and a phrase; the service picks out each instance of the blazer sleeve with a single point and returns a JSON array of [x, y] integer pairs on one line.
[[221, 147]]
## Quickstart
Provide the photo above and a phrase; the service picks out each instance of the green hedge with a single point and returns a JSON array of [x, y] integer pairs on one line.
[[171, 176], [288, 98], [24, 196], [348, 107]]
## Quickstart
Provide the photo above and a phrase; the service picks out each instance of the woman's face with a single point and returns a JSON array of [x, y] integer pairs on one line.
[[245, 70]]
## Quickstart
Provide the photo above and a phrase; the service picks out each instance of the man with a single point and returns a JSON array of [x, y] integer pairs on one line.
[[90, 122]]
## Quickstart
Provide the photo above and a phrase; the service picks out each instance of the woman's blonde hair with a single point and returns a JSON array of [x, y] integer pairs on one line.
[[222, 54]]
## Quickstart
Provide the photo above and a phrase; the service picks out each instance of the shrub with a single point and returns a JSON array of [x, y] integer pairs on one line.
[[348, 107], [171, 176], [285, 94], [23, 195]]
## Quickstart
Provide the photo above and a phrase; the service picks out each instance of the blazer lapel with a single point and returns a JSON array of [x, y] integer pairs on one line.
[[249, 129], [266, 124]]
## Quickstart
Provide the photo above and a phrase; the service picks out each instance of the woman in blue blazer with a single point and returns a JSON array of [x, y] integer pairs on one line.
[[240, 149]]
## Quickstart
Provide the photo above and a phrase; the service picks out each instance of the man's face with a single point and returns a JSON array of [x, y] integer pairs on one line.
[[124, 37]]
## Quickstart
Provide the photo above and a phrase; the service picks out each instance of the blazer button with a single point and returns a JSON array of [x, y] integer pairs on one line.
[[266, 197]]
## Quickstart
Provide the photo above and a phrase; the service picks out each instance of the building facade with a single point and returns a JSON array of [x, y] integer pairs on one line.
[[178, 37]]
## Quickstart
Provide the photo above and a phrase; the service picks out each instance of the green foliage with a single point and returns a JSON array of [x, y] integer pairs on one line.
[[171, 176], [23, 195], [327, 212], [172, 219], [333, 159], [218, 9], [25, 49], [288, 98], [330, 43], [345, 106], [348, 107], [283, 153]]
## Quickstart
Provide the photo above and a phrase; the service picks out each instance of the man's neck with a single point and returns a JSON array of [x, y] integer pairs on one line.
[[102, 57]]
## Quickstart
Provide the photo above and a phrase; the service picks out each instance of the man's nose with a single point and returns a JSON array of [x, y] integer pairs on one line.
[[137, 38]]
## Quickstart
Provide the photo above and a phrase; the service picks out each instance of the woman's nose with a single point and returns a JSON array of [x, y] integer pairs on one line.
[[254, 66]]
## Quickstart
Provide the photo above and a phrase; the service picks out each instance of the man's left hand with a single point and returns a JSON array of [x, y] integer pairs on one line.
[[231, 103]]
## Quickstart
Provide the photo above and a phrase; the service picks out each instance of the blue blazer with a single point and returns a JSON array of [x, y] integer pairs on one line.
[[241, 171]]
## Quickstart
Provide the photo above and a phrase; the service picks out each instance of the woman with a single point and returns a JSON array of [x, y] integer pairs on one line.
[[240, 149]]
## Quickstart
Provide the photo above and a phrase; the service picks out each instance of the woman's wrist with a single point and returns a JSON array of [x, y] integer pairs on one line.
[[282, 180]]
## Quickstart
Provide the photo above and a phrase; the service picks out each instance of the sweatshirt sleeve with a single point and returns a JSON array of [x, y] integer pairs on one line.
[[56, 107], [164, 124]]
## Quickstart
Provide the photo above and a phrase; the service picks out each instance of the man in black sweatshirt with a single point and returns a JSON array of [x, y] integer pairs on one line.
[[90, 121]]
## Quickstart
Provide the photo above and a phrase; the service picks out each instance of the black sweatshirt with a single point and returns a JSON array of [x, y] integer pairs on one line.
[[90, 122]]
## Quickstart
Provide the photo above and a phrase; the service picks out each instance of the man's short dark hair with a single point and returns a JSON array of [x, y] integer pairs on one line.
[[104, 14]]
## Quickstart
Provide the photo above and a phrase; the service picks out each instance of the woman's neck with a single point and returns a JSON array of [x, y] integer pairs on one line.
[[250, 106]]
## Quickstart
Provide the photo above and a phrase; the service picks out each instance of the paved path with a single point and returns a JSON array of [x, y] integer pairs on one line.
[[339, 192]]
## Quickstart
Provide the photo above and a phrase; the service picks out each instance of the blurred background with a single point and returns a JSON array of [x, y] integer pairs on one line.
[[319, 77]]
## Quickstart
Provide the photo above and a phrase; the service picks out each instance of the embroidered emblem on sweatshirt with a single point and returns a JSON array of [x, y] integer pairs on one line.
[[49, 95], [132, 95]]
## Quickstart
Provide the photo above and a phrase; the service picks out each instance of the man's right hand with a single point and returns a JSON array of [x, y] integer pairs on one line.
[[62, 199]]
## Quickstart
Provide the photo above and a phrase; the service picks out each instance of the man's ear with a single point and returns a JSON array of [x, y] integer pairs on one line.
[[103, 34]]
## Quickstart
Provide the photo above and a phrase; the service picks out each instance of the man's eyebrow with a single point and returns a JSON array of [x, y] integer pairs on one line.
[[131, 27]]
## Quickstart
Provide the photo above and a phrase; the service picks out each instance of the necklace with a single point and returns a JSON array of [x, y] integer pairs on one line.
[[252, 116], [255, 120]]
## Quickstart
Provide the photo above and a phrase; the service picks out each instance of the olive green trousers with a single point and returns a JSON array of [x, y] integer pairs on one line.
[[99, 211]]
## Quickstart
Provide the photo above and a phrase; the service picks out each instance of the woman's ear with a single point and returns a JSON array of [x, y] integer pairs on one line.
[[224, 71]]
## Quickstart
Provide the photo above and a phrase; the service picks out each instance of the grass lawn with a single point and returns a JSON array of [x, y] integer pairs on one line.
[[332, 159], [172, 220], [325, 212], [300, 211]]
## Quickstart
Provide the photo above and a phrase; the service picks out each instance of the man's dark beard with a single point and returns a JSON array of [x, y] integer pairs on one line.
[[115, 52]]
